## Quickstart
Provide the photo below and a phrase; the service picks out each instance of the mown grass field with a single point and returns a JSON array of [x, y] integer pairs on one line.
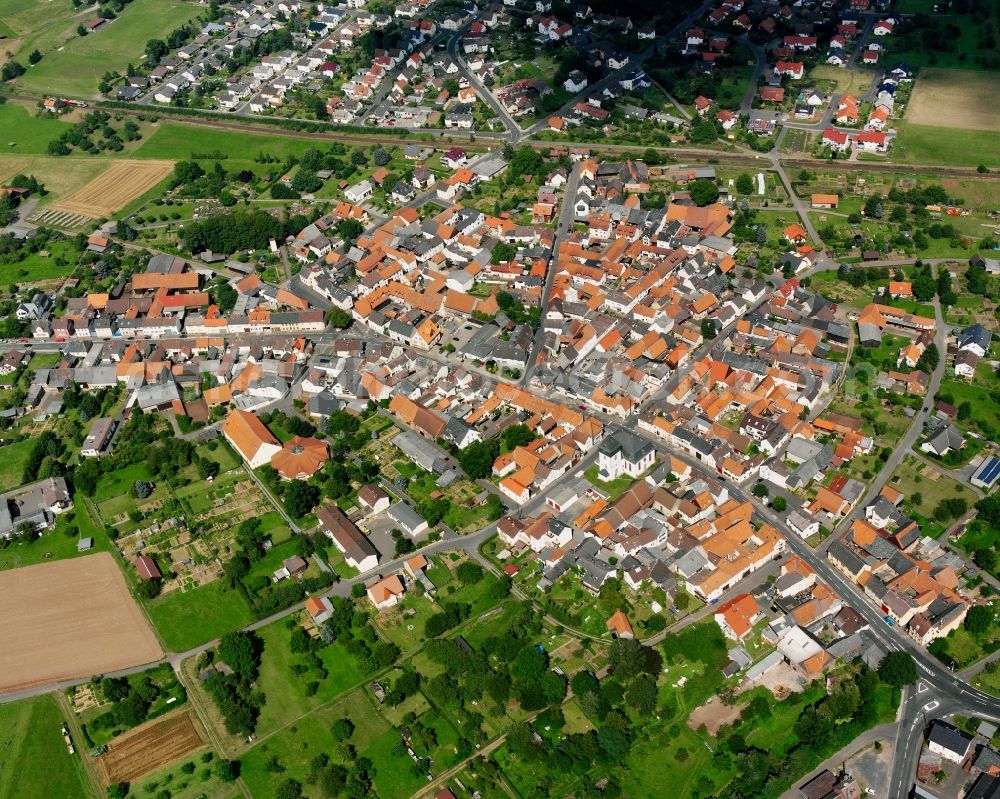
[[77, 67], [924, 144], [23, 133], [185, 620], [58, 263], [954, 96], [177, 141], [12, 460], [294, 746], [286, 698], [34, 763]]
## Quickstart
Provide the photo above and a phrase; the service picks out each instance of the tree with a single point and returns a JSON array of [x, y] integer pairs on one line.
[[381, 156], [979, 620], [339, 318], [289, 789], [628, 658], [34, 57], [642, 694], [929, 359], [704, 192], [11, 70], [584, 682], [898, 669], [744, 183], [469, 572], [342, 729], [503, 252], [227, 770], [300, 498], [984, 558], [760, 490], [207, 468], [477, 459], [779, 504], [241, 651]]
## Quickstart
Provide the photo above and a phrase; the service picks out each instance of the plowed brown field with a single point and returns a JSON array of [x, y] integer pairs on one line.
[[149, 748], [69, 619]]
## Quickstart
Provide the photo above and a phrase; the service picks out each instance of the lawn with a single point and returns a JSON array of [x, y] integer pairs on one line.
[[846, 81], [58, 262], [614, 488], [984, 406], [34, 763], [77, 67], [293, 747], [988, 680], [286, 694], [962, 648], [22, 133], [394, 777], [60, 542], [185, 620], [175, 141], [202, 782], [15, 456], [917, 479], [924, 144]]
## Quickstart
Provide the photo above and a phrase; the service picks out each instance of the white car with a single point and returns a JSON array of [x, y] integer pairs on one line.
[[870, 791]]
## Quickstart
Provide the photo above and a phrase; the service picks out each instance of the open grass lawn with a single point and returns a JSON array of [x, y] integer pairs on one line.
[[496, 624], [846, 81], [915, 477], [61, 175], [23, 133], [962, 649], [13, 457], [394, 778], [185, 620], [120, 481], [76, 69], [34, 763], [614, 488], [285, 692], [60, 542], [406, 630], [983, 403], [58, 262], [988, 680], [202, 782], [476, 594], [295, 745], [831, 287], [924, 144], [44, 360], [176, 140]]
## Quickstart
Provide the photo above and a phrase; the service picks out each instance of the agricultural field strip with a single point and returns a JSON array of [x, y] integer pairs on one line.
[[114, 188], [148, 748], [106, 633]]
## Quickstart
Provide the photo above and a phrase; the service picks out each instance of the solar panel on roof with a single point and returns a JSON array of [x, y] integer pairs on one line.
[[988, 473]]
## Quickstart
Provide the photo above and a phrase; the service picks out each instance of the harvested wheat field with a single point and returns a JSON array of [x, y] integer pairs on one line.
[[149, 748], [115, 187], [954, 98], [69, 619]]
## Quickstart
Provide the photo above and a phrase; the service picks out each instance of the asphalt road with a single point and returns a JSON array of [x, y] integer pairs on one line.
[[566, 217]]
